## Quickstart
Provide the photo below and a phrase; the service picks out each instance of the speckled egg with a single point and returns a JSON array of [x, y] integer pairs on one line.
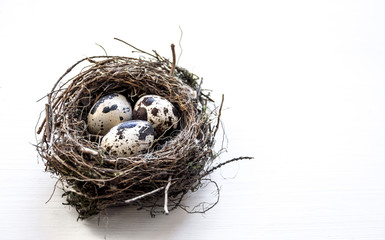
[[158, 111], [108, 112], [128, 138]]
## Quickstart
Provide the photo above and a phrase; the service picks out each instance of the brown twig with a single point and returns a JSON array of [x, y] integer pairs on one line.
[[173, 59], [47, 129], [219, 115], [224, 163], [137, 49]]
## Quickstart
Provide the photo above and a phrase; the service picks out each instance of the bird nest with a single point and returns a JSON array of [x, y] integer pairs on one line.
[[158, 179]]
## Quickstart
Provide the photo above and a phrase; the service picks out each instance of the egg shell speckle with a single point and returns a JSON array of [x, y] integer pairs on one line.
[[128, 138], [158, 111], [107, 112]]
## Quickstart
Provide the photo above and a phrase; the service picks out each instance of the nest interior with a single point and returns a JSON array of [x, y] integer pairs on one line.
[[174, 165]]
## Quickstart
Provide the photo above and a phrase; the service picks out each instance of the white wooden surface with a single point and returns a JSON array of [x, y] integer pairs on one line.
[[304, 85]]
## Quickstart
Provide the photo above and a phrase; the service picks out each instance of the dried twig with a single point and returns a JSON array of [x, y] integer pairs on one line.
[[139, 50], [173, 60], [219, 115], [180, 44], [143, 195], [166, 196], [209, 171]]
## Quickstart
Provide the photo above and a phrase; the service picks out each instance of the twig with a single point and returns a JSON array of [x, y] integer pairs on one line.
[[105, 52], [52, 123], [173, 59], [166, 196], [180, 45], [47, 132], [45, 119], [88, 150], [41, 126], [202, 204], [137, 49], [53, 191], [144, 195], [224, 163], [199, 89], [219, 115], [81, 147]]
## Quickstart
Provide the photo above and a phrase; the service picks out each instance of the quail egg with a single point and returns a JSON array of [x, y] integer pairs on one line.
[[107, 112], [158, 111], [128, 138]]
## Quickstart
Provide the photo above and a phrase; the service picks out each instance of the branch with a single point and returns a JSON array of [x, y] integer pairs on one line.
[[137, 49], [173, 59], [224, 163], [144, 195], [219, 114], [166, 196]]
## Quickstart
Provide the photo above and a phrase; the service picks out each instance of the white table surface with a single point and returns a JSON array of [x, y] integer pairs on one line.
[[304, 89]]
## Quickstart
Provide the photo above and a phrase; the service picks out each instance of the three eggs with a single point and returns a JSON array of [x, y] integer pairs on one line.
[[128, 131]]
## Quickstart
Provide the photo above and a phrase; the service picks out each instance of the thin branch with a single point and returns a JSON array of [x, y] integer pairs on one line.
[[224, 163], [105, 52], [144, 195], [166, 196], [180, 45], [219, 115], [53, 191], [199, 89], [47, 114], [137, 49], [52, 130], [202, 204], [173, 59], [88, 150]]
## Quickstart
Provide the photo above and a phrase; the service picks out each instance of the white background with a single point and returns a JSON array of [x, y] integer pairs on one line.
[[304, 89]]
